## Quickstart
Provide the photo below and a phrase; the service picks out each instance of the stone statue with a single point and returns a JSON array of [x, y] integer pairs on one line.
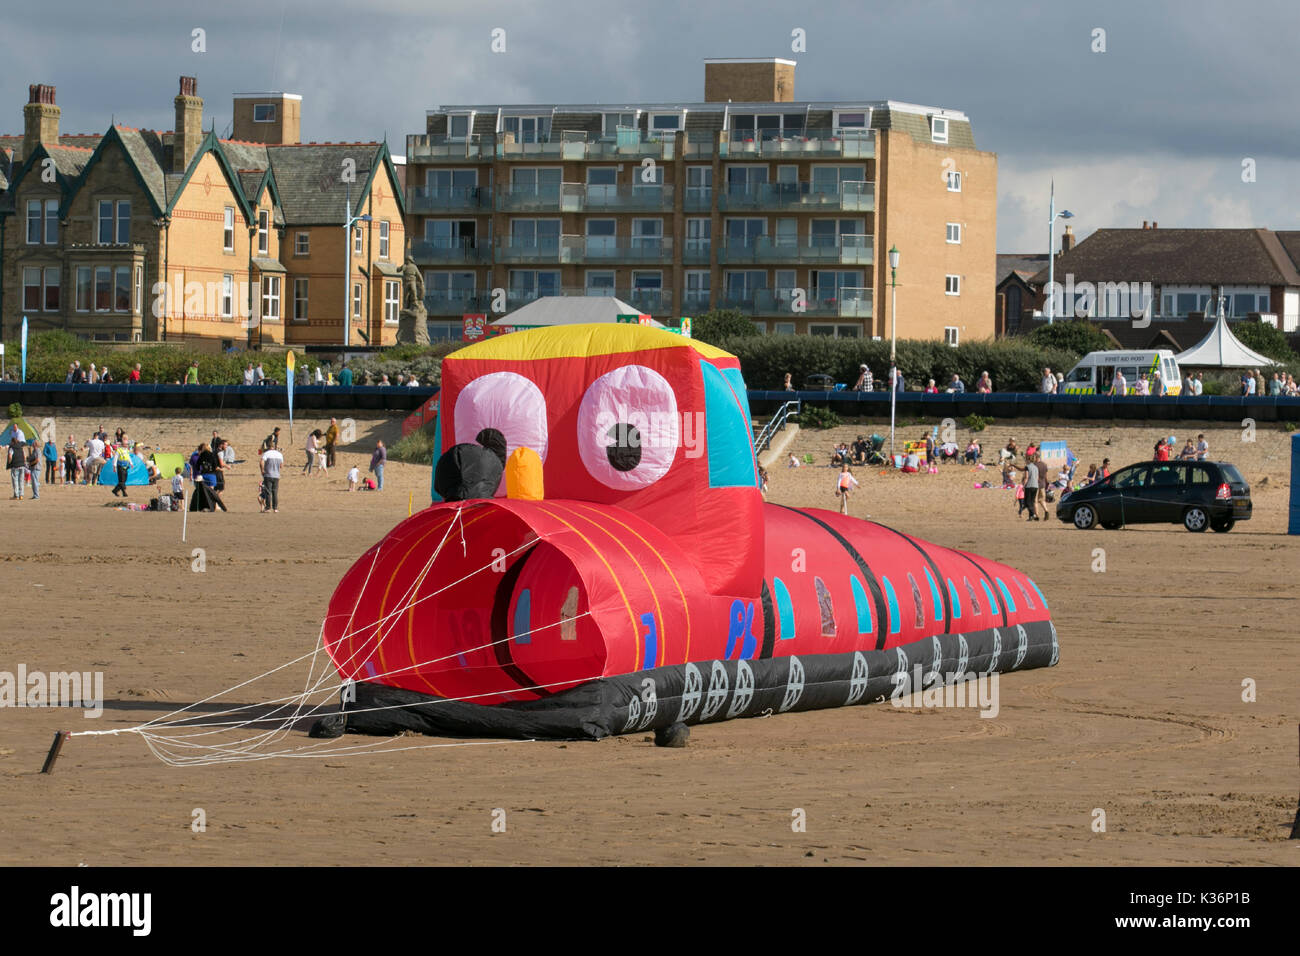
[[413, 322]]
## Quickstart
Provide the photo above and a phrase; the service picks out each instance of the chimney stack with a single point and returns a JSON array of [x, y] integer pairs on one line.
[[1155, 225], [1144, 224], [1067, 240], [40, 119], [189, 124]]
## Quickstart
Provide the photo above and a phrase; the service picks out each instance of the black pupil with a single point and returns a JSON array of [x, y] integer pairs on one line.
[[625, 453]]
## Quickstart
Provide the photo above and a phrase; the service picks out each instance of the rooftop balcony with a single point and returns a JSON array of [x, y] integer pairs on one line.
[[448, 149], [847, 250], [439, 199], [844, 143], [811, 197]]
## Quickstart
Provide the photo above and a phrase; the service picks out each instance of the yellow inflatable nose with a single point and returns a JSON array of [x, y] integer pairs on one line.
[[524, 475]]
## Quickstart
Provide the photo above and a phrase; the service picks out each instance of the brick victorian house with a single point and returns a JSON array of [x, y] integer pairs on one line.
[[181, 236]]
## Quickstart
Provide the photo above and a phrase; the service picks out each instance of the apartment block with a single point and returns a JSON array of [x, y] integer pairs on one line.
[[750, 200], [182, 236]]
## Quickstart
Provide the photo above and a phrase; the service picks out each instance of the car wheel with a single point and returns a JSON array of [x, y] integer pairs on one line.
[[1223, 524], [1195, 519], [1112, 525], [1084, 517]]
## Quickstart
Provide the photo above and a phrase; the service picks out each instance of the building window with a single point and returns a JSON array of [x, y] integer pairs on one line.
[[954, 181], [954, 233], [51, 222], [227, 296], [264, 113], [33, 222], [263, 232], [939, 129], [357, 247], [528, 129], [84, 288], [139, 290], [52, 289], [458, 126], [851, 120], [123, 221], [614, 120], [356, 301], [665, 122], [105, 222], [783, 328], [950, 335], [32, 289], [302, 244], [952, 285], [599, 283], [383, 239], [228, 229], [271, 298], [122, 289], [300, 300], [103, 289], [392, 298]]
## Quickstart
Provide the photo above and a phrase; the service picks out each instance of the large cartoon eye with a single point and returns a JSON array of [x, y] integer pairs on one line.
[[504, 402], [628, 427]]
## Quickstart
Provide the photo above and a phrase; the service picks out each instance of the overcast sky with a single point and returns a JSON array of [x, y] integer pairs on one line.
[[1156, 127]]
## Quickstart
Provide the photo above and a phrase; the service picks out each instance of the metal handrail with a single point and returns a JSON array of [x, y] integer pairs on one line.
[[776, 424]]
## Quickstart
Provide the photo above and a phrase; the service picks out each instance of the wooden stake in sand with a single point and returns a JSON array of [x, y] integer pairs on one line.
[[55, 749]]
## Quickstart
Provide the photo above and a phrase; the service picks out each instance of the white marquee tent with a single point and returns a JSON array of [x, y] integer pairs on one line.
[[1222, 349]]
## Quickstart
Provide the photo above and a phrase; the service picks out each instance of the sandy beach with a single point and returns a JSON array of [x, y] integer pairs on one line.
[[1143, 718]]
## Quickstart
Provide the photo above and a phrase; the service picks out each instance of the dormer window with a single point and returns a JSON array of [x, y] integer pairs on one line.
[[666, 122], [614, 120], [939, 129], [527, 129], [458, 126]]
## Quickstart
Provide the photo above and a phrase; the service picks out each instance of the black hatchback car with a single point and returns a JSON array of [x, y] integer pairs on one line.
[[1196, 494]]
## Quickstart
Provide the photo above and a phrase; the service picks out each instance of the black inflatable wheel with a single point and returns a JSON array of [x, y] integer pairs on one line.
[[674, 735]]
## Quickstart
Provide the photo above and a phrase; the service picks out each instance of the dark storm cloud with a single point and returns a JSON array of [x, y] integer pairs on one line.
[[1183, 92]]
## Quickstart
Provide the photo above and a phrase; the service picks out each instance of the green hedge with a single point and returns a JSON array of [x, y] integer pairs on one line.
[[1013, 364]]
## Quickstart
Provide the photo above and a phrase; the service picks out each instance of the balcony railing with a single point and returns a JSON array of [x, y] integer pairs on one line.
[[847, 302], [441, 149], [696, 251], [698, 198], [451, 250], [652, 301], [846, 143], [653, 196], [456, 302], [448, 199], [554, 197], [845, 250], [846, 196], [695, 302]]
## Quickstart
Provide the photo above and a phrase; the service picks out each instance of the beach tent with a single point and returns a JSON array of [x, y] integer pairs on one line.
[[20, 425], [137, 474], [167, 463], [1222, 349]]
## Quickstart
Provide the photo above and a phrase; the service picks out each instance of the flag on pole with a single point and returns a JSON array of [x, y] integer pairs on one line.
[[288, 378], [24, 350]]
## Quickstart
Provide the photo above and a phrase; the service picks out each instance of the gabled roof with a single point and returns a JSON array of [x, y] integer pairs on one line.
[[1179, 257], [69, 161], [1024, 265], [144, 153], [310, 179]]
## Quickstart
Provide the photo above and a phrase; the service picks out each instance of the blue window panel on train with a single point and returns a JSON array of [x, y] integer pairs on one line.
[[892, 600], [784, 608], [863, 605], [1006, 597], [934, 593]]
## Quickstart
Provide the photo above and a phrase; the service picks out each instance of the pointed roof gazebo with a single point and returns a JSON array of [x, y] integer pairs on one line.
[[570, 310], [1222, 349]]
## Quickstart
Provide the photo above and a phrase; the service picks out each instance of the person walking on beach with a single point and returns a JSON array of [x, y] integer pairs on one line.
[[16, 463], [331, 439], [377, 461], [844, 485], [310, 448], [34, 470], [70, 461], [122, 460], [271, 462], [1030, 484]]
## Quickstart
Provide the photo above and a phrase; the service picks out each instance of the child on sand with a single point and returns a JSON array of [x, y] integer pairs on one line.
[[354, 475], [844, 485]]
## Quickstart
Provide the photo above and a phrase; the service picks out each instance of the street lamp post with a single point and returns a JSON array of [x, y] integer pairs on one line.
[[893, 344], [349, 221], [1053, 215]]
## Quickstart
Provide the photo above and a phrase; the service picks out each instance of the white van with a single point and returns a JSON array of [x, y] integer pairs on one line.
[[1095, 373]]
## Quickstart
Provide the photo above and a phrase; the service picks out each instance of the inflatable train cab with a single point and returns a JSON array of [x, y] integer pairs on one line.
[[598, 559]]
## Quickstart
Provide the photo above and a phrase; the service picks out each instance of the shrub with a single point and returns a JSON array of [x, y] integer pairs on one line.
[[415, 448], [815, 416], [1265, 339], [1013, 364], [1078, 336], [15, 410], [977, 423], [718, 324]]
